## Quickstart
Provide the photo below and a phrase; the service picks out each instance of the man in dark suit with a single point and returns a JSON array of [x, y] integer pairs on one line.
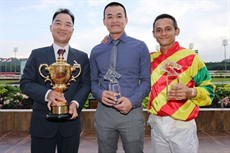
[[47, 135]]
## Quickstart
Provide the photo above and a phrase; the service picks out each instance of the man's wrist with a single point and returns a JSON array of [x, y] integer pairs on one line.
[[47, 94], [74, 101], [192, 92]]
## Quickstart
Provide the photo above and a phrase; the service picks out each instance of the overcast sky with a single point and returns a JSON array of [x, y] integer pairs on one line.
[[204, 23]]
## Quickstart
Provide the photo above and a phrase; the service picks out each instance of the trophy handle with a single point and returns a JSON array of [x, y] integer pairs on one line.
[[74, 68], [46, 77]]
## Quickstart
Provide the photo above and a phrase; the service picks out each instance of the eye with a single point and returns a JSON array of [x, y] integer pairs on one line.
[[108, 16], [158, 30], [168, 29], [69, 25], [119, 16], [57, 23]]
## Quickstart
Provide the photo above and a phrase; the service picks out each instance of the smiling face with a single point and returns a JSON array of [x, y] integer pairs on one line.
[[62, 29], [165, 33], [115, 20]]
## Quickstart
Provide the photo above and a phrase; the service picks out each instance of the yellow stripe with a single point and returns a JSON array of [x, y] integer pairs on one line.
[[184, 111], [154, 55], [160, 100]]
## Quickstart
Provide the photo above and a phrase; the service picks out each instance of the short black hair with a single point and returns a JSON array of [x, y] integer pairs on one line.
[[114, 4], [166, 16], [63, 10]]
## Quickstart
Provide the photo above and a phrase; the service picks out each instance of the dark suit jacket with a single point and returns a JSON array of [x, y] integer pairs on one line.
[[34, 86]]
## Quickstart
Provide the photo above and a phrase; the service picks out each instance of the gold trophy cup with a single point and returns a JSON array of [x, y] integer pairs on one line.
[[60, 75]]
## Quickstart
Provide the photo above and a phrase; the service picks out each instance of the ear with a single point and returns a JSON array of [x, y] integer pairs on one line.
[[50, 28], [177, 31], [153, 34], [104, 22], [126, 19]]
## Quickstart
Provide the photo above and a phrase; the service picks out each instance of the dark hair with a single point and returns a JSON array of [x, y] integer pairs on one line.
[[166, 16], [63, 10], [114, 4]]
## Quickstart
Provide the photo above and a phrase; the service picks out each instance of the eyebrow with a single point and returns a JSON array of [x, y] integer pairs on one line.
[[115, 14], [61, 21]]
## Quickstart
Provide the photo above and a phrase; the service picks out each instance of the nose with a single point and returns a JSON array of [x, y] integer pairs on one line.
[[114, 19], [63, 27], [163, 32]]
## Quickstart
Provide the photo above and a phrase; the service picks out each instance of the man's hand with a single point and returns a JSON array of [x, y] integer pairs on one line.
[[109, 98], [181, 92], [124, 105], [55, 98], [73, 110], [105, 40]]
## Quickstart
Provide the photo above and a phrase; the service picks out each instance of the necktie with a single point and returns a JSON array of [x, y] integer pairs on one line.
[[61, 52], [113, 58], [111, 75]]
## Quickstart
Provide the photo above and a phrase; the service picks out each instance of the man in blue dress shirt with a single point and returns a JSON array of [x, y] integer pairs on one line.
[[119, 116]]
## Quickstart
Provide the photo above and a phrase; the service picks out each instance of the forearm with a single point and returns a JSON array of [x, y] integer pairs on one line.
[[96, 90], [203, 97], [34, 90], [139, 94]]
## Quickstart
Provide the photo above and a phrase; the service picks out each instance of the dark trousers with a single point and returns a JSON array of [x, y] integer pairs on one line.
[[49, 145]]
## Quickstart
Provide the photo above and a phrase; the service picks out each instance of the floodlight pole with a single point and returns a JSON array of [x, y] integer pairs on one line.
[[15, 51], [225, 43]]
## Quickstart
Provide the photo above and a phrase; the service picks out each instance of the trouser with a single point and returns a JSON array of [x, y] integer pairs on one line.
[[49, 145], [173, 136], [110, 124]]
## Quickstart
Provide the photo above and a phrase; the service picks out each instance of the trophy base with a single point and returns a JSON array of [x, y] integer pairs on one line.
[[58, 117]]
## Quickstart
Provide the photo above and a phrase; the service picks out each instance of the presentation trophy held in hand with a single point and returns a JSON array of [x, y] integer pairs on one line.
[[60, 76], [172, 70]]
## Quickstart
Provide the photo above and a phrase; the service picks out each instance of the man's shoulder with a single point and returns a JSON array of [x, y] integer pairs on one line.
[[77, 51], [135, 39], [100, 46], [41, 49]]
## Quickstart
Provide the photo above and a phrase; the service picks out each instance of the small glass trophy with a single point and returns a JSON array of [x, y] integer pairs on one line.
[[112, 76], [172, 70], [115, 87]]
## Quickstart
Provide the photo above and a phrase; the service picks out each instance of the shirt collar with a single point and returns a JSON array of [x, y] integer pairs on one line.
[[123, 38], [56, 48]]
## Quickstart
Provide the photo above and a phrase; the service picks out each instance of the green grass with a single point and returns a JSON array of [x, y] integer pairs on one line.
[[220, 79], [3, 82]]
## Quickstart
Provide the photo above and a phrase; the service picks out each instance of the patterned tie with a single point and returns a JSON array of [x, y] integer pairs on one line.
[[61, 52]]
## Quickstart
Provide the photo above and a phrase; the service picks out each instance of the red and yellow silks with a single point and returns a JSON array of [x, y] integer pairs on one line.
[[193, 73]]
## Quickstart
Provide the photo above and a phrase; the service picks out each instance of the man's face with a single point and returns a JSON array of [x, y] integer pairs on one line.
[[115, 19], [62, 29], [164, 32]]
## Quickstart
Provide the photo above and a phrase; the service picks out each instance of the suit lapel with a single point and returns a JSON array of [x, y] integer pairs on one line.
[[50, 55], [71, 57]]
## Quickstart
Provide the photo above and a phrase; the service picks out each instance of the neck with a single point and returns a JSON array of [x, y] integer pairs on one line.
[[164, 49], [116, 36], [61, 44]]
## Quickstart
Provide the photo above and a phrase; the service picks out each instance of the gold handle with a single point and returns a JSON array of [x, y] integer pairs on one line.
[[74, 67], [46, 77]]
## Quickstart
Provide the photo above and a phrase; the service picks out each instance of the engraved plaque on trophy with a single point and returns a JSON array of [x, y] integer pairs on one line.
[[60, 76]]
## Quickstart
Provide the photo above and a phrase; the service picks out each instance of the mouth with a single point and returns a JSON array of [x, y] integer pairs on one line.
[[62, 33], [115, 26]]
